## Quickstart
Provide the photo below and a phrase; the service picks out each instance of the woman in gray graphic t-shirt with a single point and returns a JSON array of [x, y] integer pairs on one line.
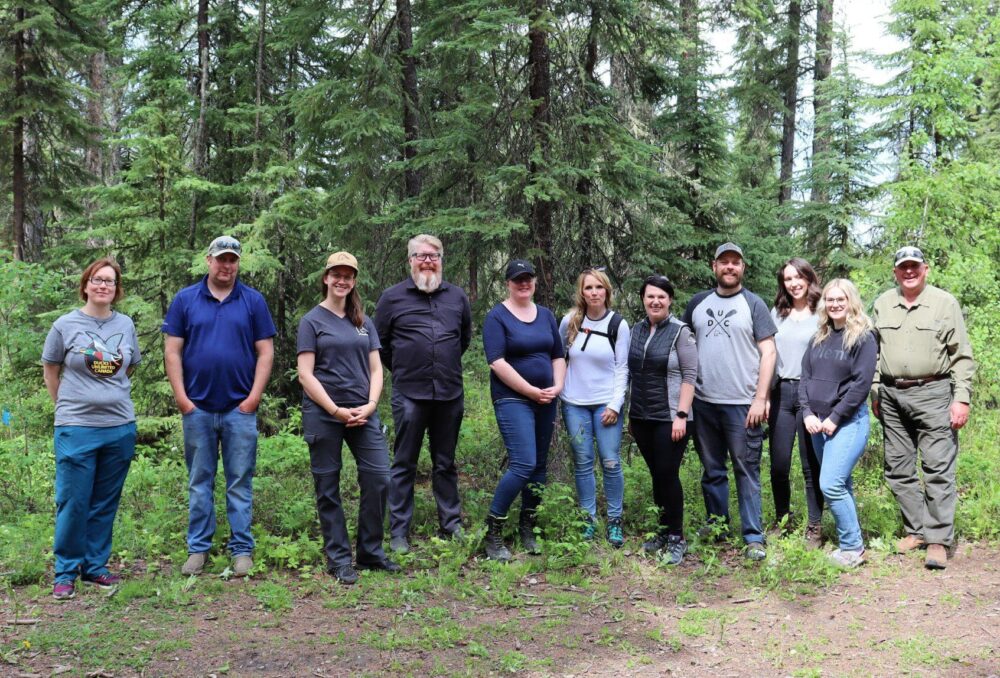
[[88, 357]]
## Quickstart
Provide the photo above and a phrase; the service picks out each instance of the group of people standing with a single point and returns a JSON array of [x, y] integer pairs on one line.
[[720, 372]]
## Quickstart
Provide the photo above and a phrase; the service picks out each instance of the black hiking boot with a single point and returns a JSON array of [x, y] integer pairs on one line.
[[495, 549]]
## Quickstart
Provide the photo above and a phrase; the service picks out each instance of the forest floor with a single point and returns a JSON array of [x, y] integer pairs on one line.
[[618, 614]]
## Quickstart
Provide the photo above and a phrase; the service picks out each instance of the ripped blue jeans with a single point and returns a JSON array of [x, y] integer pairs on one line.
[[585, 430]]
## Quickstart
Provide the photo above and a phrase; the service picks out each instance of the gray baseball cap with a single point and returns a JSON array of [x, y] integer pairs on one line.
[[729, 247]]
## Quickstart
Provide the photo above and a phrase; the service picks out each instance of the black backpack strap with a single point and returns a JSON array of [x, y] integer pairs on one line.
[[613, 324]]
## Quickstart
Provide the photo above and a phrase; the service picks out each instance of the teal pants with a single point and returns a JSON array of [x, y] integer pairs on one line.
[[91, 465]]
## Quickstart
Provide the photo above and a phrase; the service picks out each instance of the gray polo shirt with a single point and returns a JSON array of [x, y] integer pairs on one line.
[[94, 388]]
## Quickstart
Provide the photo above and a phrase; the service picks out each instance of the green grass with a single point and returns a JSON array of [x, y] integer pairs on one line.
[[540, 595]]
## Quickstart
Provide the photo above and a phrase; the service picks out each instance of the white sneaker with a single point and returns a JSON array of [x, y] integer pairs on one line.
[[847, 559]]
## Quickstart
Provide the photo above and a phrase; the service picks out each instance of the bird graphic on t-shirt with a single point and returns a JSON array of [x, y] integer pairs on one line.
[[106, 350]]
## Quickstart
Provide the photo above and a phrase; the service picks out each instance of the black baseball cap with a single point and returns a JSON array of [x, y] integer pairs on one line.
[[519, 267]]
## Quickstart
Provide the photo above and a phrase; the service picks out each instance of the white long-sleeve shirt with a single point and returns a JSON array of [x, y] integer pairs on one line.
[[596, 373]]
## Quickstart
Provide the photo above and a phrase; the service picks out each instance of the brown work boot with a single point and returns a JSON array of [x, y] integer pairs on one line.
[[909, 543], [937, 557]]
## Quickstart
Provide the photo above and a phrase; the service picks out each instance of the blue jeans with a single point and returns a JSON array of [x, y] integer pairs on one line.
[[203, 434], [838, 455], [720, 431], [91, 465], [526, 428], [583, 424]]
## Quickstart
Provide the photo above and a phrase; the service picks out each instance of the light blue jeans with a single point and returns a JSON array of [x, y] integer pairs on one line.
[[583, 424], [91, 465], [204, 432], [838, 455]]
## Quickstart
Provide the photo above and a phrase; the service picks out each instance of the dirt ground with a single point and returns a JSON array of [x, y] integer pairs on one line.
[[890, 617]]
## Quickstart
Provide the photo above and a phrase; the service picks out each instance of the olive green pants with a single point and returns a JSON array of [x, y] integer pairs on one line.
[[919, 419]]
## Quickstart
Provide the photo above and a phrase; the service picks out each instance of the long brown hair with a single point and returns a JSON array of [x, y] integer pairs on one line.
[[783, 302], [353, 305], [579, 309]]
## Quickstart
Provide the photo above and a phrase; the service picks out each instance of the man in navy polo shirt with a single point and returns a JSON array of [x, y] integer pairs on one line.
[[218, 350]]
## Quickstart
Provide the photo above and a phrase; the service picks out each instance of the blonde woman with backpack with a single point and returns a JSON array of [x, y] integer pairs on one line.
[[596, 341]]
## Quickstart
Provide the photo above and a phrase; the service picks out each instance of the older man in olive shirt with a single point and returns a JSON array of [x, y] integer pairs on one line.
[[425, 325], [922, 391]]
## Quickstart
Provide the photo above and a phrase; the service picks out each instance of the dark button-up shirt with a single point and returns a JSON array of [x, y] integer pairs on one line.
[[423, 338]]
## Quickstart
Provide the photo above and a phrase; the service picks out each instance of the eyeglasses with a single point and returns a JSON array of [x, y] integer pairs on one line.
[[104, 282], [346, 277], [594, 269], [839, 301], [426, 256]]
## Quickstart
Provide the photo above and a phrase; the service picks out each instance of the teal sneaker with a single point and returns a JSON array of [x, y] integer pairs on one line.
[[590, 529], [616, 536]]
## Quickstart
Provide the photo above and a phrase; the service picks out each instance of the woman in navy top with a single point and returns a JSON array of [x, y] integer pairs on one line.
[[837, 371], [527, 369]]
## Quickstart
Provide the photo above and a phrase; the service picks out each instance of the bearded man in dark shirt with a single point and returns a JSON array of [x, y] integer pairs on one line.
[[425, 325]]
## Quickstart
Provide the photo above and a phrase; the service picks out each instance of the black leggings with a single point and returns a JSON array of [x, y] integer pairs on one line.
[[785, 422], [663, 456]]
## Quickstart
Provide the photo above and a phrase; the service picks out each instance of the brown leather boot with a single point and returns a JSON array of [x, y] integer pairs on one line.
[[937, 557]]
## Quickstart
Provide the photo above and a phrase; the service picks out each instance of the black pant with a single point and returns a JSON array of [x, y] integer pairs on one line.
[[441, 420], [663, 456], [325, 437], [785, 423]]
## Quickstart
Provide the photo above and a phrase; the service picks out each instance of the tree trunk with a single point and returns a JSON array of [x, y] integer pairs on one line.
[[791, 87], [584, 187], [200, 131], [411, 125], [539, 91], [821, 102], [687, 96], [94, 155], [259, 88], [18, 181]]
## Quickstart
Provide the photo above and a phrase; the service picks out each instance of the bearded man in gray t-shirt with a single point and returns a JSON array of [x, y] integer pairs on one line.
[[736, 357]]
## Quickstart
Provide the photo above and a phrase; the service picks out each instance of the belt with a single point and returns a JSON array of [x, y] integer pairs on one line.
[[910, 383]]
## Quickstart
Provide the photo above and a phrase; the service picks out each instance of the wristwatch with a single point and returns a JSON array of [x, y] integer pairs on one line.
[[681, 414]]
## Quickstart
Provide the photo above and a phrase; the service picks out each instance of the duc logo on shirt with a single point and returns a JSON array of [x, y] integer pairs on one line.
[[719, 323], [103, 357], [362, 331]]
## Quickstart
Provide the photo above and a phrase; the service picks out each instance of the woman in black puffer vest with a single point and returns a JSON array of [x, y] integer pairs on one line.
[[663, 366]]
